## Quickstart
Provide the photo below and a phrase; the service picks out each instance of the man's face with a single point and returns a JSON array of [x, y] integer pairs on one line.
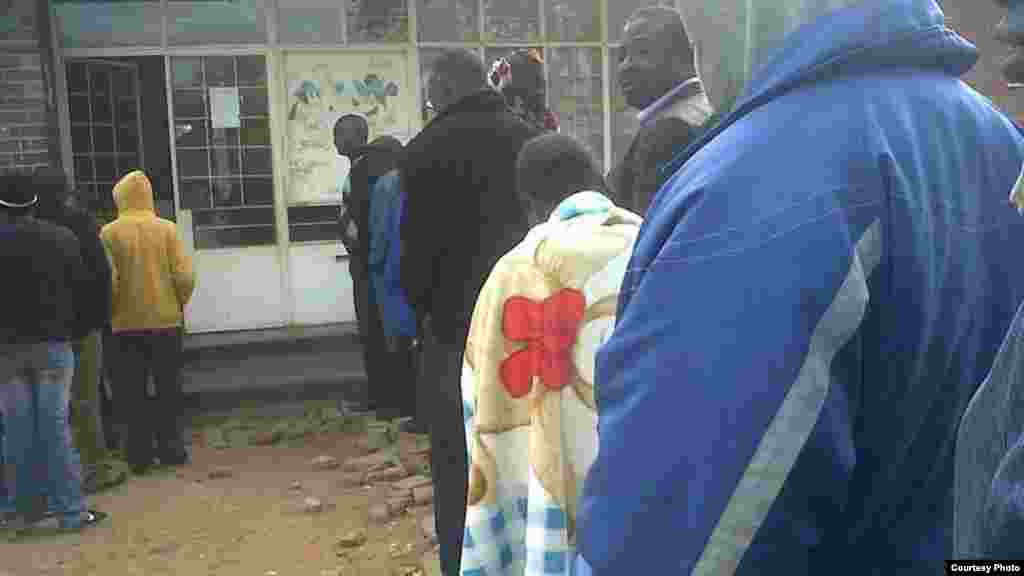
[[648, 65], [1010, 31]]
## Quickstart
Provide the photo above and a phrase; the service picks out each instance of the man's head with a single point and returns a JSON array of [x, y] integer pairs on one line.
[[51, 184], [1010, 31], [456, 73], [351, 132], [17, 194], [552, 167], [656, 56]]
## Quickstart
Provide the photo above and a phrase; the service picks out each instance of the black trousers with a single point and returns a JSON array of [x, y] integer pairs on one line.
[[371, 336], [397, 389], [145, 421], [441, 377]]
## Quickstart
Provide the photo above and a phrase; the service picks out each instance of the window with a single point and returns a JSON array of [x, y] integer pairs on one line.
[[18, 22], [224, 156], [448, 20], [574, 20], [575, 94], [216, 21], [86, 24], [377, 21], [511, 21], [309, 22]]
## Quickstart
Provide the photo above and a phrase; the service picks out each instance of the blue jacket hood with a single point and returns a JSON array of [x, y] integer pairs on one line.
[[867, 37]]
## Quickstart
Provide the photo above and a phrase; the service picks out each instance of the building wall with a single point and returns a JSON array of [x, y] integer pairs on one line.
[[28, 137]]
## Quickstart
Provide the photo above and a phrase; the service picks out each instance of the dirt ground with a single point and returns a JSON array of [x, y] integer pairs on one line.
[[253, 522]]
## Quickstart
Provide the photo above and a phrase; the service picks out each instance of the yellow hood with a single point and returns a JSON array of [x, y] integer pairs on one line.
[[134, 193]]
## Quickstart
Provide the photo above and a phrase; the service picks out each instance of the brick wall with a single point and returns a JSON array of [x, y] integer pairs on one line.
[[27, 123]]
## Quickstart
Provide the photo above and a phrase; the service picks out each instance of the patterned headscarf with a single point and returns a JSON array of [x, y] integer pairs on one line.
[[524, 91]]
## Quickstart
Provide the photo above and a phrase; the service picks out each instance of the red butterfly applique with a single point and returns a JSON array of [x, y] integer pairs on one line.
[[549, 328]]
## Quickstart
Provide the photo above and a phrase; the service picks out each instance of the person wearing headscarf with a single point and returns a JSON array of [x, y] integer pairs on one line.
[[528, 371], [519, 78], [989, 508], [813, 298], [658, 76]]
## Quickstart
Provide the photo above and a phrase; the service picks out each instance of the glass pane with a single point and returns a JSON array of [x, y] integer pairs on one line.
[[448, 20], [224, 136], [574, 92], [193, 163], [313, 214], [255, 132], [216, 218], [573, 20], [620, 10], [187, 72], [195, 194], [189, 104], [127, 111], [225, 162], [128, 140], [258, 191], [378, 21], [78, 77], [81, 139], [103, 23], [106, 169], [253, 102], [99, 78], [252, 70], [220, 71], [191, 134], [103, 138], [124, 83], [227, 192], [309, 22], [102, 110], [216, 22], [314, 233], [79, 107], [256, 161], [212, 239], [511, 21], [83, 168]]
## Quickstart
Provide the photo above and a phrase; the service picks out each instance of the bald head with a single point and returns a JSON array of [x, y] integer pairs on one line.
[[456, 73], [656, 55]]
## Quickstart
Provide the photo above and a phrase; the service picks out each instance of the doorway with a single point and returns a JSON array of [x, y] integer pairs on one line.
[[118, 116]]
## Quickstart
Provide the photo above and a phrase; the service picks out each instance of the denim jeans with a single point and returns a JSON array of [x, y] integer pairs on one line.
[[35, 387]]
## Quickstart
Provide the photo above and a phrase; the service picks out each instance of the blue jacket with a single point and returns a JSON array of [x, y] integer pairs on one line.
[[813, 298], [386, 209]]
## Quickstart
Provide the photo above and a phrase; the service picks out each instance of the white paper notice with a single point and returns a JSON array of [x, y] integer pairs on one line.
[[224, 108]]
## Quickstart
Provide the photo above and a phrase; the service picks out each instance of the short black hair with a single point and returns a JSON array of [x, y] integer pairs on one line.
[[670, 18], [462, 70], [361, 125], [552, 167]]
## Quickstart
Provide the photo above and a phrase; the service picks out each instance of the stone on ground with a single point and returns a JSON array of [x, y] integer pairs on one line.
[[379, 513], [325, 462], [428, 528], [398, 504], [353, 539], [389, 474], [220, 472], [377, 461], [352, 479], [312, 505], [423, 494], [411, 483]]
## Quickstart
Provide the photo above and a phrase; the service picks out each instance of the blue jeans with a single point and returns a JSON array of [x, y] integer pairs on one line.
[[35, 389]]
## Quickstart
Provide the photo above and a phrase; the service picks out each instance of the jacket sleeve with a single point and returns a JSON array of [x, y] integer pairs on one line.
[[114, 276], [421, 246], [381, 214], [714, 380], [98, 265], [181, 269], [81, 288], [656, 148]]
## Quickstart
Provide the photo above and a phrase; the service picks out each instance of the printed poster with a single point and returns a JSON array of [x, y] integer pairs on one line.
[[224, 108], [322, 87]]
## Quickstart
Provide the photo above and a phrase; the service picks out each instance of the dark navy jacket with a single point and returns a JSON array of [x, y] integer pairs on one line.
[[813, 299]]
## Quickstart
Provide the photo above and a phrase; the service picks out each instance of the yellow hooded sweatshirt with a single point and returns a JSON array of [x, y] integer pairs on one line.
[[152, 274]]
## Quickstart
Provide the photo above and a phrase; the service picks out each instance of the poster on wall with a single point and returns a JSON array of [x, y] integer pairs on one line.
[[322, 87]]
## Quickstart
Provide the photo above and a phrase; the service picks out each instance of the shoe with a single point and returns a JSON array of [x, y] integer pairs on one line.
[[90, 518], [357, 408], [413, 427]]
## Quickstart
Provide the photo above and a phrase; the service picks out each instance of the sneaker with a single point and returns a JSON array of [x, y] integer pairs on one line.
[[90, 518]]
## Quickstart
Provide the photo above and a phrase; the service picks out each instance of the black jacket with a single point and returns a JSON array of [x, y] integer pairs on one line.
[[637, 179], [462, 211], [45, 283], [97, 289]]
